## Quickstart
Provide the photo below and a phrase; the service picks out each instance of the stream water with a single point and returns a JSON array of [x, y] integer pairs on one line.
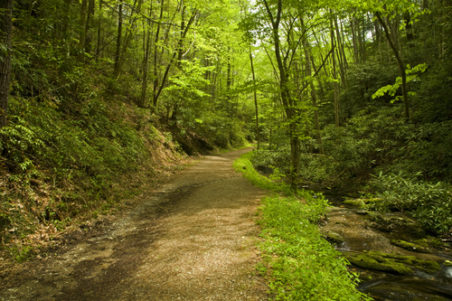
[[358, 234]]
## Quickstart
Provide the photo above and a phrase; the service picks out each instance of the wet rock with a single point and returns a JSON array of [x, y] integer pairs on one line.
[[362, 203], [410, 246], [392, 263], [333, 237], [396, 222]]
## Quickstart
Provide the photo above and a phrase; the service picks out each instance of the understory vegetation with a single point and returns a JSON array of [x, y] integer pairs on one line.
[[297, 261], [96, 98], [344, 97]]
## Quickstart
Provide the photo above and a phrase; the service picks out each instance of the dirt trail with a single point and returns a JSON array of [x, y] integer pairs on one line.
[[192, 239]]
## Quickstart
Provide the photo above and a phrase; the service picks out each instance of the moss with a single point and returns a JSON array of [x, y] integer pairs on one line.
[[428, 242], [392, 263], [362, 203], [410, 246], [333, 237], [358, 203], [373, 261]]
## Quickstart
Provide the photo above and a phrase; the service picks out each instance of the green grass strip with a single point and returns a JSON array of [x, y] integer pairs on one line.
[[298, 262]]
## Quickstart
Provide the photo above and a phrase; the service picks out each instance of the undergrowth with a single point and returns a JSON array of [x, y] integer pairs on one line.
[[298, 262]]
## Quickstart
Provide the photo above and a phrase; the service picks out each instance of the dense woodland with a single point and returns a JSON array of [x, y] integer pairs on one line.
[[347, 96]]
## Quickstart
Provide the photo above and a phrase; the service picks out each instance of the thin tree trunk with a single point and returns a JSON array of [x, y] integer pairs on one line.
[[118, 40], [147, 51], [286, 97], [89, 20], [400, 64], [171, 62], [6, 8], [99, 30], [256, 107], [82, 25], [136, 8], [336, 84], [155, 65], [308, 63], [340, 53]]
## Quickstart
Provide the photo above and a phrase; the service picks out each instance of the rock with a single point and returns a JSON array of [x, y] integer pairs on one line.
[[362, 203], [333, 237], [396, 222], [392, 263], [410, 246]]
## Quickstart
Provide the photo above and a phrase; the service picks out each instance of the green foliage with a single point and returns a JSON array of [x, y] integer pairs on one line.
[[299, 263], [244, 165], [302, 265], [22, 253], [412, 76], [19, 143], [429, 203]]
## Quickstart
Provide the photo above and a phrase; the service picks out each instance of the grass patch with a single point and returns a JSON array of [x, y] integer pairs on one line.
[[244, 165], [298, 262]]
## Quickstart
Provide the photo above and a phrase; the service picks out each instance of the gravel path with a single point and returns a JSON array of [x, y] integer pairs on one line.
[[194, 238]]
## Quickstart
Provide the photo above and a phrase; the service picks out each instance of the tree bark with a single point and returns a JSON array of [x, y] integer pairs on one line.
[[400, 64], [336, 84], [82, 24], [308, 63], [89, 20], [6, 8], [99, 30], [256, 107], [147, 52], [118, 40], [155, 64], [286, 98]]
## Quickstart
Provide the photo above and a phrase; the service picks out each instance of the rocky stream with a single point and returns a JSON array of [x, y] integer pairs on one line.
[[394, 258]]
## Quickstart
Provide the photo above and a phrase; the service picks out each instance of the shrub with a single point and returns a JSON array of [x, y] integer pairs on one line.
[[429, 203]]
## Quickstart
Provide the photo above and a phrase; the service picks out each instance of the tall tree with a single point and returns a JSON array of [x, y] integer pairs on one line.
[[256, 107], [6, 8], [117, 64], [274, 15]]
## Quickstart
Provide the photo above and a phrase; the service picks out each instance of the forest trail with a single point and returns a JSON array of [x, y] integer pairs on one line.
[[193, 238]]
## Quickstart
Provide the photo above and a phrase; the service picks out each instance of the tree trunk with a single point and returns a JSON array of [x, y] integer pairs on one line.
[[400, 64], [89, 20], [6, 8], [336, 84], [255, 100], [155, 65], [171, 62], [340, 53], [136, 8], [147, 52], [286, 98], [82, 25], [99, 30], [118, 40], [308, 63]]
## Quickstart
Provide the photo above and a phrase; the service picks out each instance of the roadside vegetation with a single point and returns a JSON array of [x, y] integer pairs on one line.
[[298, 262]]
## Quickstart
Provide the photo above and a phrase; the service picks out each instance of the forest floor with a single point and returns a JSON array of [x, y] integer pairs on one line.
[[192, 238]]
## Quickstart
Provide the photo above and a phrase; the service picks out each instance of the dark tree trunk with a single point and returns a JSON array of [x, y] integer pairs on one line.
[[336, 84], [400, 63], [89, 20], [256, 107], [147, 52], [6, 8], [118, 39], [99, 30]]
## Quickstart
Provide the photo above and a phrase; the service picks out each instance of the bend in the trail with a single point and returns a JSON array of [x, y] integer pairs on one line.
[[194, 238]]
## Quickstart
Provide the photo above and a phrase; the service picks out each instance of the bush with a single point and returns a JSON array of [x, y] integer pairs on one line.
[[429, 203]]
